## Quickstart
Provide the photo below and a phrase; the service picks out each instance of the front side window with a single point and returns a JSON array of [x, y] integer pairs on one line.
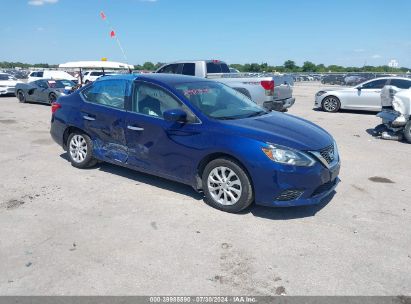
[[152, 100], [219, 101], [110, 93], [169, 69], [42, 84], [376, 84]]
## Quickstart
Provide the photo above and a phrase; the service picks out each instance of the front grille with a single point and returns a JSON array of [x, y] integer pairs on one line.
[[328, 153], [289, 195], [324, 187]]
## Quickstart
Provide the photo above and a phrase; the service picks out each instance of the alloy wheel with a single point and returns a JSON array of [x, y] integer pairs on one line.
[[331, 104], [78, 148], [224, 186]]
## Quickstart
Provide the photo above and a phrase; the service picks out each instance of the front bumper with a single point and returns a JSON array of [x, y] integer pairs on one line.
[[6, 90], [318, 101], [287, 186]]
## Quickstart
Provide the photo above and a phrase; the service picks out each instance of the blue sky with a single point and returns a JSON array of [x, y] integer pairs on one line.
[[344, 32]]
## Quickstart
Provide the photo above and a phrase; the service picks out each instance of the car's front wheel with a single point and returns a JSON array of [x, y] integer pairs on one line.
[[79, 148], [227, 186], [20, 96], [331, 104]]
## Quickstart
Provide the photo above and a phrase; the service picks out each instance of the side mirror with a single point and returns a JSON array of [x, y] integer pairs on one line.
[[175, 115], [359, 88]]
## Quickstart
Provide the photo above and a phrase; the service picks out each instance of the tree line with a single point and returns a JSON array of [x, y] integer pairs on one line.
[[288, 67]]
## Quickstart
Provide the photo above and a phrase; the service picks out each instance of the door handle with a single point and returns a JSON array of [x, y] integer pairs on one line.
[[135, 128], [86, 117]]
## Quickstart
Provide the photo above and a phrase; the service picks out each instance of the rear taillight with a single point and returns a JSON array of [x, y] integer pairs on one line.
[[54, 107], [268, 86]]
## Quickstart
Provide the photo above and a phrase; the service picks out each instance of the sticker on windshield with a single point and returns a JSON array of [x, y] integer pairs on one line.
[[191, 92]]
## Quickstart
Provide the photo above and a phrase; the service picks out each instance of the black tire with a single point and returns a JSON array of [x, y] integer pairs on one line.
[[52, 98], [20, 96], [86, 160], [243, 198], [407, 132], [331, 104]]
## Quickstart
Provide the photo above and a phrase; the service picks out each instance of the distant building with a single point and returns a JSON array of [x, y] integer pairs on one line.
[[393, 63]]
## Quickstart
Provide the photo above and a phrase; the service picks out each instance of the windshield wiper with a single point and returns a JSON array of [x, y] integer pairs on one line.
[[259, 113], [227, 117]]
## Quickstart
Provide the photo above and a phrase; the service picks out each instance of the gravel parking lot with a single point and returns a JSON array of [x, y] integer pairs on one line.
[[111, 230]]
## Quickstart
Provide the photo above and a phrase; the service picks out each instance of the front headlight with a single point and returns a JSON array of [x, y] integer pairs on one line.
[[320, 93], [288, 156], [336, 153]]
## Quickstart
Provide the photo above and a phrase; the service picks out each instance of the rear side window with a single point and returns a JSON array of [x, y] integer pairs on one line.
[[110, 93], [217, 67], [169, 69], [189, 69], [401, 83]]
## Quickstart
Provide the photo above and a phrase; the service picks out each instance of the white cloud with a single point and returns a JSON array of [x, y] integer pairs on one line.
[[376, 56], [359, 50], [40, 29], [41, 2]]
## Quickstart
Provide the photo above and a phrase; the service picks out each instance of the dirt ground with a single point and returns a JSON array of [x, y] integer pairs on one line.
[[110, 230]]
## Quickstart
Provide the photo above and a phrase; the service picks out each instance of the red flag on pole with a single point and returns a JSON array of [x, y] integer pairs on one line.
[[112, 34], [102, 15]]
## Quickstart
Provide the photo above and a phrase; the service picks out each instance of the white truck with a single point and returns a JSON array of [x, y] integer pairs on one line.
[[273, 92]]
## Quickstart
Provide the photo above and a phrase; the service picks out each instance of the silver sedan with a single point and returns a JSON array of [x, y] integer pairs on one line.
[[365, 96]]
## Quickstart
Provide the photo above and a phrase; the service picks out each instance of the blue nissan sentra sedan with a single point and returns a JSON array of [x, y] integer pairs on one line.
[[201, 133]]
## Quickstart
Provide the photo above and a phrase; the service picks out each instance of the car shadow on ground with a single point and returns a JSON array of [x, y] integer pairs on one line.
[[285, 213], [348, 112], [289, 213], [140, 177]]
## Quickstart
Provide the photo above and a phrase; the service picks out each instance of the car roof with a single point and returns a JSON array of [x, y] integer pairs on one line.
[[169, 79]]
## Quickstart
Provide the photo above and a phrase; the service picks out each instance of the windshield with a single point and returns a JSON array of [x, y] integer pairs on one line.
[[219, 101], [60, 84]]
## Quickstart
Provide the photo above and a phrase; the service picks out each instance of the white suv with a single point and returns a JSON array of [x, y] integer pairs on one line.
[[92, 76], [7, 84]]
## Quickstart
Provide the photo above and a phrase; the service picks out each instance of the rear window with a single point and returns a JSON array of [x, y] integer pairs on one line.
[[217, 67], [401, 83]]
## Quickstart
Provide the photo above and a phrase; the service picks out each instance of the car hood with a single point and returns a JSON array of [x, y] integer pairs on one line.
[[340, 89], [282, 129]]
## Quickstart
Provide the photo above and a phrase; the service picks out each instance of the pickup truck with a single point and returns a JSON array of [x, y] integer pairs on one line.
[[272, 92]]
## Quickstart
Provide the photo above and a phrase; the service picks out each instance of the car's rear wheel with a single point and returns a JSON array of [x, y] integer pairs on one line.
[[331, 104], [407, 132], [79, 148], [227, 186], [52, 98], [20, 96]]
